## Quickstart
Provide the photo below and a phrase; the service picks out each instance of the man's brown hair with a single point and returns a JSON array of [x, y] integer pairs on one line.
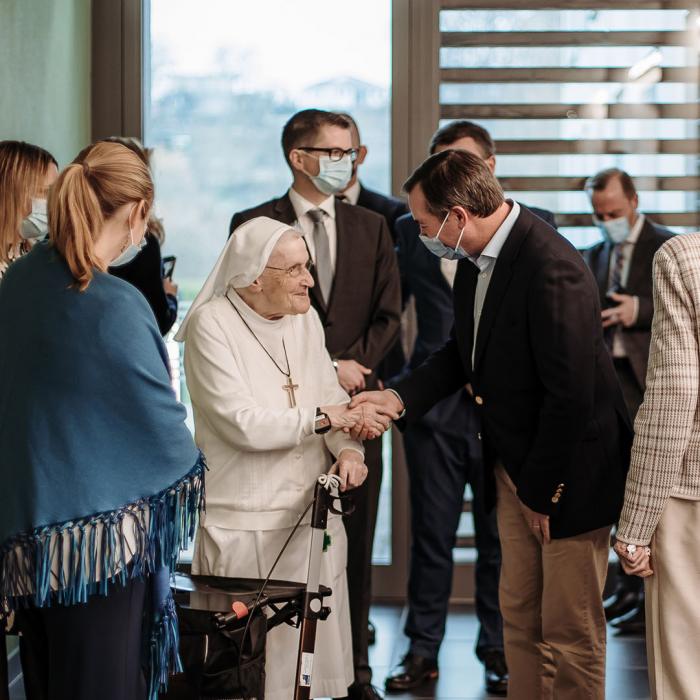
[[462, 129], [303, 127], [457, 179], [601, 180]]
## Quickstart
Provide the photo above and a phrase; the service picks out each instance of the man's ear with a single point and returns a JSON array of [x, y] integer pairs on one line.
[[296, 159], [461, 215], [361, 155], [491, 162]]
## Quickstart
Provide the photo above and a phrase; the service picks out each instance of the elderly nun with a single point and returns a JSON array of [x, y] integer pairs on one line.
[[270, 416]]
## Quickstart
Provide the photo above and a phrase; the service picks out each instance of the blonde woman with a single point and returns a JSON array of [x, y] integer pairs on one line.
[[101, 480], [26, 174]]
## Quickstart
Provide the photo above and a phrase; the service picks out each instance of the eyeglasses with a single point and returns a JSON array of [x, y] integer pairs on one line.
[[334, 154], [295, 270]]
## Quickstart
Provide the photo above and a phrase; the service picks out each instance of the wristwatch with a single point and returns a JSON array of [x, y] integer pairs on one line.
[[322, 423]]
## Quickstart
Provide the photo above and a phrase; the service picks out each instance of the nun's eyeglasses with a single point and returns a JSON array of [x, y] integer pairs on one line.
[[334, 154], [295, 270]]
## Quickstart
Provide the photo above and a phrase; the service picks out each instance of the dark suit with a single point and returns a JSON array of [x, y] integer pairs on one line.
[[391, 208], [636, 339], [639, 283], [442, 454], [551, 408], [361, 322]]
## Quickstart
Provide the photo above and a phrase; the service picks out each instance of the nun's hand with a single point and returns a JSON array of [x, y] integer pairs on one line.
[[351, 469]]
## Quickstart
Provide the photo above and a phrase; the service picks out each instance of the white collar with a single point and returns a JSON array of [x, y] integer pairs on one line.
[[494, 246], [303, 206]]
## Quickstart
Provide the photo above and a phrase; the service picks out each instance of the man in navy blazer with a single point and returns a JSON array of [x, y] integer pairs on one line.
[[443, 454], [554, 427]]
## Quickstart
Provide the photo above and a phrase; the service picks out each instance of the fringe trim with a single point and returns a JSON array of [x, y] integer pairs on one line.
[[163, 525], [163, 646]]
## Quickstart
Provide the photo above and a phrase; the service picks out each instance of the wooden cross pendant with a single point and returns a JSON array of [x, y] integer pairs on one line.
[[289, 387]]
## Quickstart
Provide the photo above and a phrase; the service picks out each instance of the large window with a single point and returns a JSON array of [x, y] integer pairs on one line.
[[224, 78]]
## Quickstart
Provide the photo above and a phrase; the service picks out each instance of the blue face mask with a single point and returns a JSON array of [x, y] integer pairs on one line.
[[437, 247], [36, 225], [615, 230], [333, 175]]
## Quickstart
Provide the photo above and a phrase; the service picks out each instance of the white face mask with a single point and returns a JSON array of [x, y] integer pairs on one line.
[[130, 252], [333, 175], [615, 230], [36, 225]]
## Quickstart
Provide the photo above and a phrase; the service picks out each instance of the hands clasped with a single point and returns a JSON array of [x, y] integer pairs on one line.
[[367, 416], [635, 560]]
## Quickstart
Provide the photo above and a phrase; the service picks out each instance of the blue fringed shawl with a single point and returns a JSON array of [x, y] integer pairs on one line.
[[90, 431]]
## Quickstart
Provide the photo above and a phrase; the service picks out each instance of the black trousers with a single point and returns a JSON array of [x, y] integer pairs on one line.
[[440, 464], [88, 651], [359, 527]]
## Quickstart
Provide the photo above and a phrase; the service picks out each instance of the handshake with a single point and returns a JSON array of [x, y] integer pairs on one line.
[[367, 416]]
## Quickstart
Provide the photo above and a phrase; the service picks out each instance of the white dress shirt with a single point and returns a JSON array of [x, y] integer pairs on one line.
[[486, 262], [305, 225]]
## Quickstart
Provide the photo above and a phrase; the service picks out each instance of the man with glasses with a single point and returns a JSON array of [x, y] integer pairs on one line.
[[357, 296]]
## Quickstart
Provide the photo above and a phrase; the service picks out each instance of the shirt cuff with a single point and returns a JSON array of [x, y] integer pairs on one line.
[[398, 396]]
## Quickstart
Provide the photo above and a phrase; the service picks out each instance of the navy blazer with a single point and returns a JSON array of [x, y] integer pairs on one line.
[[551, 407]]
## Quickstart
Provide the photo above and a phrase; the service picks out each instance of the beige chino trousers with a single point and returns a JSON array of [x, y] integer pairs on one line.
[[551, 601]]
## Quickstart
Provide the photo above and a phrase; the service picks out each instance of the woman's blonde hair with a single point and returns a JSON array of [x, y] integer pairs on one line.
[[22, 171], [103, 177], [155, 225]]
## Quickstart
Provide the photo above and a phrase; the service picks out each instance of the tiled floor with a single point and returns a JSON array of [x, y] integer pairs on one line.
[[460, 672]]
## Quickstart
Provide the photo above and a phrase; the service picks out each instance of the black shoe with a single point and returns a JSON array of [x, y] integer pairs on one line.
[[621, 602], [371, 633], [363, 691], [495, 672], [633, 622], [412, 672]]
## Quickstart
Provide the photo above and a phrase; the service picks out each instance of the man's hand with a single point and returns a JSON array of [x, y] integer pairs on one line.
[[372, 425], [379, 409], [351, 375], [625, 313], [351, 469], [635, 563], [538, 524]]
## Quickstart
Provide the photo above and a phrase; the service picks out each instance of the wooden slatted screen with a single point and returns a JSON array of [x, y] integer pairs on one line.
[[571, 87]]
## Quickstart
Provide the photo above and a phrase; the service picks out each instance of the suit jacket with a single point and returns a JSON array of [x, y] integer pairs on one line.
[[391, 208], [550, 404], [639, 284], [363, 315]]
